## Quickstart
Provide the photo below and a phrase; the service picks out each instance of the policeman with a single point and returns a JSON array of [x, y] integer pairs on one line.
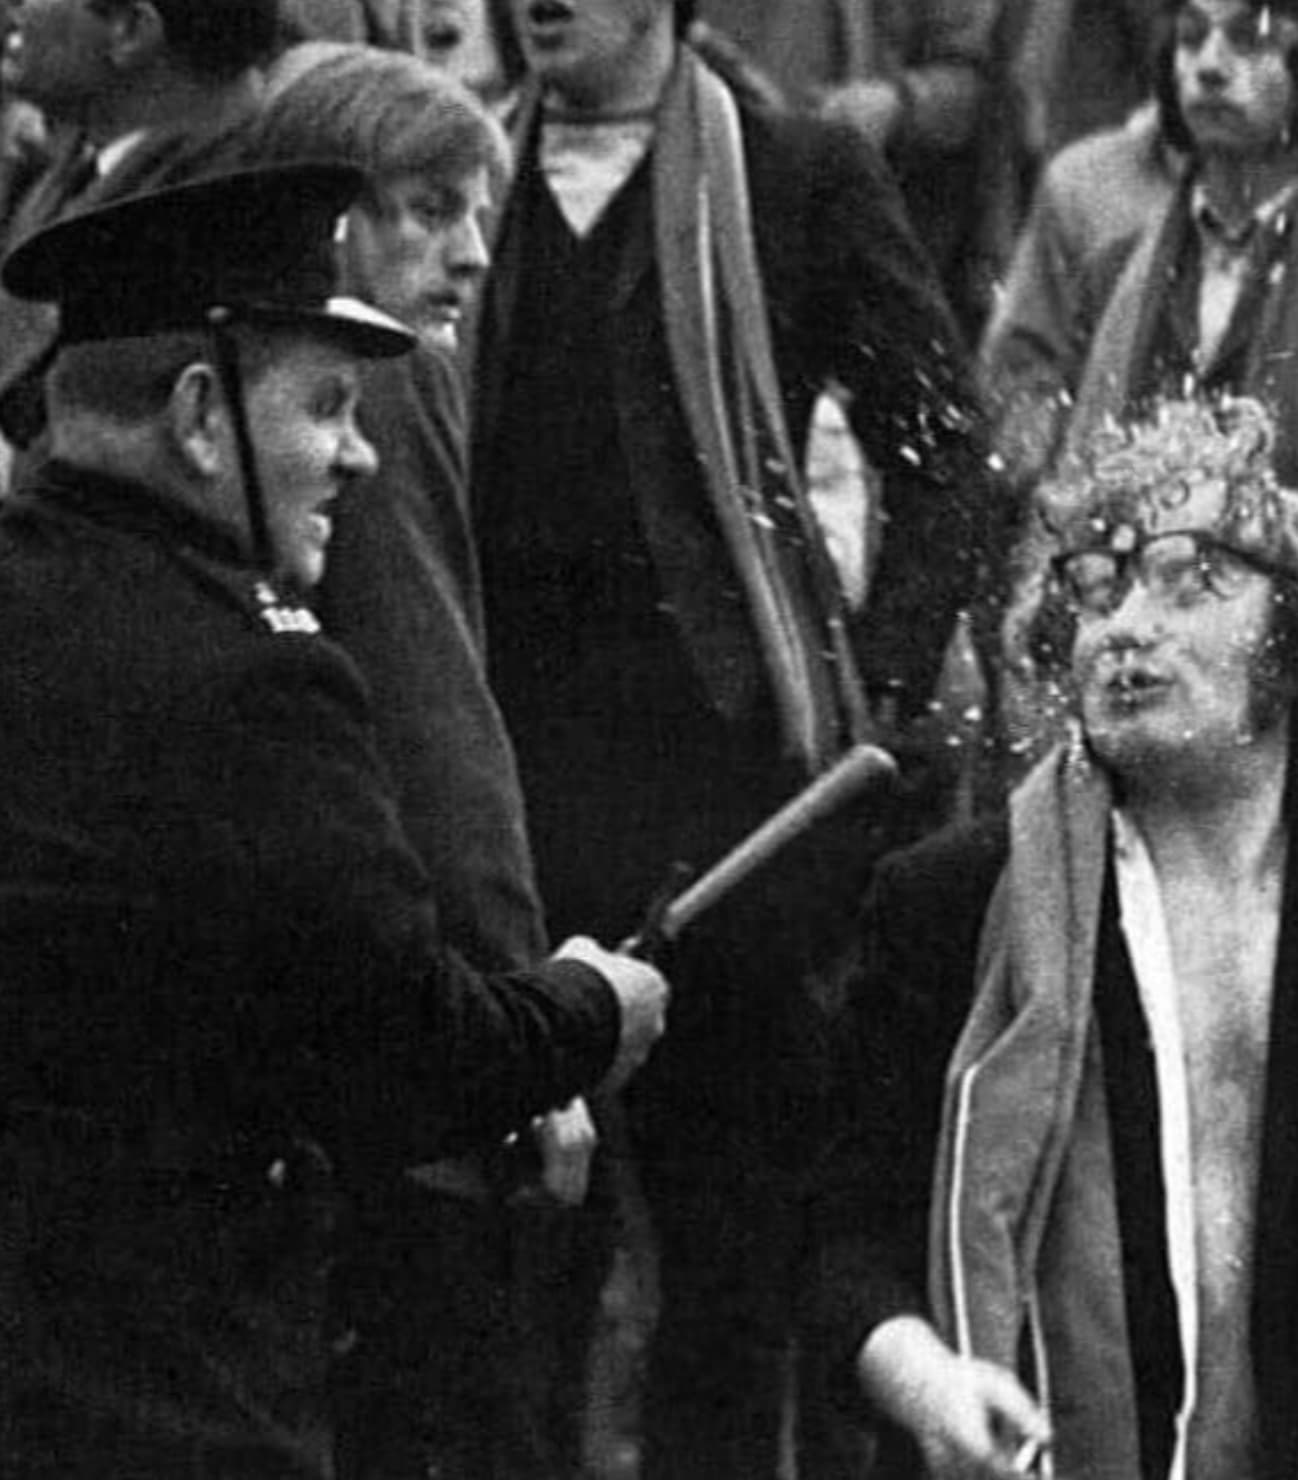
[[227, 1011]]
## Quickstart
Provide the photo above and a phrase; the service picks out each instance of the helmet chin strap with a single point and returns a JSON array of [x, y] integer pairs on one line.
[[226, 355]]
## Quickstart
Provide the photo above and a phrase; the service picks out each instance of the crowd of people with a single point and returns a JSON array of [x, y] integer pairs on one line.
[[465, 464]]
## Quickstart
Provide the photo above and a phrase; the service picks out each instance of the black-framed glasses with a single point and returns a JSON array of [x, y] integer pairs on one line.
[[1181, 567]]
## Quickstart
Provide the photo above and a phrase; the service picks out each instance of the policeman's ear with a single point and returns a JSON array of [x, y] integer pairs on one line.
[[198, 420], [137, 34]]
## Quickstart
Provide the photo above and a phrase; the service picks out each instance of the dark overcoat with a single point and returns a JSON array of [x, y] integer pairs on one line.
[[226, 1007], [402, 594]]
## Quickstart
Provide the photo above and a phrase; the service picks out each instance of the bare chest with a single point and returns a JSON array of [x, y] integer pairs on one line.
[[1224, 951]]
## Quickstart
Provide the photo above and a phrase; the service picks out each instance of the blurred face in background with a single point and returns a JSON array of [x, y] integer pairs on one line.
[[456, 36], [56, 54], [593, 53], [1232, 75], [417, 250]]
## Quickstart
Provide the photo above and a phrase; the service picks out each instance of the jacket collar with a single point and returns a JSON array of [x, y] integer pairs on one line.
[[130, 507]]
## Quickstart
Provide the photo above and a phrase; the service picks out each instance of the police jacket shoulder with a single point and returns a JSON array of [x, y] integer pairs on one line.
[[156, 577]]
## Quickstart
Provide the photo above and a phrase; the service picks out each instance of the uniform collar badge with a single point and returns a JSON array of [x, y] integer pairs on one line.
[[279, 616]]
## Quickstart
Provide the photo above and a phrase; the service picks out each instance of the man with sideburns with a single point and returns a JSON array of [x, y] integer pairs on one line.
[[1106, 980]]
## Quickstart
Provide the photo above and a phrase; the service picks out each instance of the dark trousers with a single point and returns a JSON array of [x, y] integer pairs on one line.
[[428, 1387], [728, 1240], [470, 1323]]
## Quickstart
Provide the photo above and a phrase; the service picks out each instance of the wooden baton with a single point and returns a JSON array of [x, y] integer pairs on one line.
[[855, 772]]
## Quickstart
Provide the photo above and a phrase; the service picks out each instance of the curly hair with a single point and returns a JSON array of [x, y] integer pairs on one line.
[[1208, 461]]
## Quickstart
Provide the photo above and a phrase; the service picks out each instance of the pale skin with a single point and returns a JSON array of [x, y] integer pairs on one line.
[[1169, 705], [1222, 878]]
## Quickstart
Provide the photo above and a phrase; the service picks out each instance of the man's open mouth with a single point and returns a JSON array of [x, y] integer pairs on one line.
[[1129, 684]]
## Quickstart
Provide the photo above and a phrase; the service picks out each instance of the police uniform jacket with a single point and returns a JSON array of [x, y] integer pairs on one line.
[[225, 999]]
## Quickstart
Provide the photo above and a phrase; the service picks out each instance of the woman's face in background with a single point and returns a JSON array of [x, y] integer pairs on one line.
[[457, 36]]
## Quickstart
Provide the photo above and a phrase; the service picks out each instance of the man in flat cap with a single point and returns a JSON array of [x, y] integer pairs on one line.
[[227, 1009], [1111, 1255]]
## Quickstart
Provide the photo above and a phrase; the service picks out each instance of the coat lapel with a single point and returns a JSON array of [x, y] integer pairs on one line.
[[1275, 1277], [1252, 321]]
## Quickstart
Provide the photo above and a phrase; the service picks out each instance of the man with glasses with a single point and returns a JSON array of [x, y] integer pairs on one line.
[[1112, 994]]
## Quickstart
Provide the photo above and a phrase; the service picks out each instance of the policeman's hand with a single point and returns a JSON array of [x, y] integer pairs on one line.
[[641, 991], [566, 1140], [971, 1419]]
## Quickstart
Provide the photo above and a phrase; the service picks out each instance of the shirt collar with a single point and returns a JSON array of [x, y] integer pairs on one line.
[[115, 151], [1213, 228]]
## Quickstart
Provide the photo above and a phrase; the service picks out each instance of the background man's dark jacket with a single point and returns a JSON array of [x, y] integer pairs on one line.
[[852, 298], [401, 593]]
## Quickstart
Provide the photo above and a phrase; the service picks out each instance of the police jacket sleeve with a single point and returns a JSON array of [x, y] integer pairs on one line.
[[291, 876]]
